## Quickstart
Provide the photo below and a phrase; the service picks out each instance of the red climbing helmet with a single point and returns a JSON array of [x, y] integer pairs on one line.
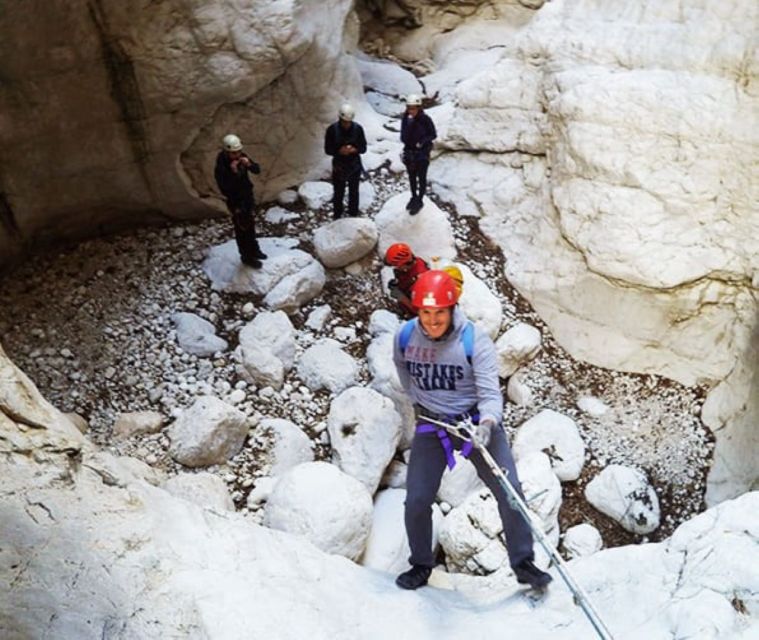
[[398, 255], [434, 290]]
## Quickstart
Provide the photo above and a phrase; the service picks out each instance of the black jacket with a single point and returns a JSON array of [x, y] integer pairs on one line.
[[235, 186], [417, 134], [336, 137]]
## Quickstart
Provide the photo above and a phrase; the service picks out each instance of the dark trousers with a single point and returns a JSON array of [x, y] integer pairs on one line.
[[245, 229], [425, 469], [339, 180], [417, 177]]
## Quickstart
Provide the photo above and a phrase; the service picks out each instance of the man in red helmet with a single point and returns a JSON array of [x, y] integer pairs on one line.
[[449, 368], [406, 269]]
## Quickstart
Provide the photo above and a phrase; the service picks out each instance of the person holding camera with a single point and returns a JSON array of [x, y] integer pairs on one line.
[[345, 141], [417, 133], [231, 172]]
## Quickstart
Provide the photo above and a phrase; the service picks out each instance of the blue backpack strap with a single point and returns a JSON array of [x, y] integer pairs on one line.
[[467, 338], [405, 334]]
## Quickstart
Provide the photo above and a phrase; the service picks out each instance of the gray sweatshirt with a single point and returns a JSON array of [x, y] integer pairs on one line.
[[437, 375]]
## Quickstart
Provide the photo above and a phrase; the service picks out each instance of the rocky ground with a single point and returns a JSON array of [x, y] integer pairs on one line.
[[91, 325]]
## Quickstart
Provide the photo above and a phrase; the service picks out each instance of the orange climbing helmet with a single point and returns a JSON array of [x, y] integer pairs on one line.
[[434, 290], [398, 255]]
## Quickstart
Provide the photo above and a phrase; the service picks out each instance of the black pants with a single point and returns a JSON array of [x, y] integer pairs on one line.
[[245, 229], [417, 177], [425, 470], [339, 180]]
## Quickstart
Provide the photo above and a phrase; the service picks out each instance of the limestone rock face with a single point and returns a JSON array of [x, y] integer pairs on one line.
[[612, 149], [143, 92]]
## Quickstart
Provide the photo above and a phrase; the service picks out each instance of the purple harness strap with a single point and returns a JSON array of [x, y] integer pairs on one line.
[[445, 440]]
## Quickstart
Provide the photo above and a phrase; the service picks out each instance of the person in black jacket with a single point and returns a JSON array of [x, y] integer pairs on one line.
[[344, 140], [417, 134], [231, 173]]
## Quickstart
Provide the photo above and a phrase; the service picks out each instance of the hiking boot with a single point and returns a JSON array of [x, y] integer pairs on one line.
[[410, 203], [414, 578], [416, 206], [253, 263], [260, 255], [527, 573]]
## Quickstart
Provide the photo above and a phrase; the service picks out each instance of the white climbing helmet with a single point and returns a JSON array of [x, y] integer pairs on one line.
[[413, 100], [231, 142], [346, 112]]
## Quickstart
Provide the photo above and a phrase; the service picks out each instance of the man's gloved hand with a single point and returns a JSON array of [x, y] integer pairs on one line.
[[481, 433], [395, 292]]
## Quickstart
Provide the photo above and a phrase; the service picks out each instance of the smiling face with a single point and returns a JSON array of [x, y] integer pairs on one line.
[[435, 322]]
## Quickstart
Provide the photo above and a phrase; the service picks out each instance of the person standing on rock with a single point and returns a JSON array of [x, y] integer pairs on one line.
[[406, 269], [417, 134], [449, 368], [231, 173], [345, 141]]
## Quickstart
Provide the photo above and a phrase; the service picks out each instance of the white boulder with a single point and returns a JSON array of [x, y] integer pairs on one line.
[[341, 242], [208, 432], [379, 356], [458, 483], [515, 347], [322, 504], [326, 366], [315, 194], [479, 303], [625, 495], [364, 430], [287, 278], [196, 335], [136, 423], [558, 436], [517, 391], [383, 321], [277, 215], [260, 492], [470, 536], [297, 288], [592, 406], [366, 195], [266, 348], [318, 317], [582, 540], [290, 446], [429, 233], [542, 492]]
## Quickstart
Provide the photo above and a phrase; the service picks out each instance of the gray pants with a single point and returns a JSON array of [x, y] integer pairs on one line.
[[425, 469]]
